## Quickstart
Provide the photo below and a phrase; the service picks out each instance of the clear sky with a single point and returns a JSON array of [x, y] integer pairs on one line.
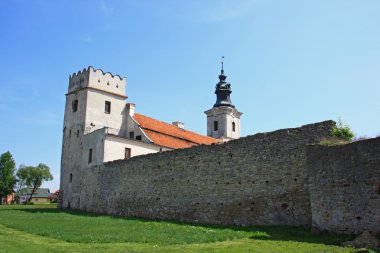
[[289, 63]]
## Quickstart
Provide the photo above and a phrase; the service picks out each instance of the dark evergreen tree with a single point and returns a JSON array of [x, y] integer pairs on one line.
[[7, 175]]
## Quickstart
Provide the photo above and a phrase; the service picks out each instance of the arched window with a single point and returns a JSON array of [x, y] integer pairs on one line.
[[71, 178], [215, 125], [233, 126]]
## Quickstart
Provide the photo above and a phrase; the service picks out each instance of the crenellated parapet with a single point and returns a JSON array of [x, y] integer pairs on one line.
[[99, 80]]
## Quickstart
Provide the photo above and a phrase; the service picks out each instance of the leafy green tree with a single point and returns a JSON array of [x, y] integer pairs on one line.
[[34, 176], [7, 174], [342, 131], [20, 187]]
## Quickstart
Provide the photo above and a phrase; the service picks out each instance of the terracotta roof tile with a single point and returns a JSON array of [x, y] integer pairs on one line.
[[170, 136]]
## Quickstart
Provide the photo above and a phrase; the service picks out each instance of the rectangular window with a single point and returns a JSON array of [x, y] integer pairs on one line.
[[90, 155], [215, 125], [131, 135], [138, 137], [127, 153], [75, 105], [107, 107]]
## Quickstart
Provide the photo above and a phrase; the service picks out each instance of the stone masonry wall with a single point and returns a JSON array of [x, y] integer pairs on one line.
[[345, 186], [260, 179]]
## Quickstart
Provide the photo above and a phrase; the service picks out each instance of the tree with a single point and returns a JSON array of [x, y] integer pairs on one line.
[[20, 190], [34, 176], [342, 131], [7, 174]]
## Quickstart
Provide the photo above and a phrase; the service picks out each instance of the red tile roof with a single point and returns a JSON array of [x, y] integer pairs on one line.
[[168, 135]]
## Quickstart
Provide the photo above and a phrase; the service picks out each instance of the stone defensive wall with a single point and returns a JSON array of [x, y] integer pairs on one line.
[[257, 180], [345, 186]]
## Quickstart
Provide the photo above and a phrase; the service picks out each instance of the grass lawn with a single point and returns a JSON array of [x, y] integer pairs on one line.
[[44, 228]]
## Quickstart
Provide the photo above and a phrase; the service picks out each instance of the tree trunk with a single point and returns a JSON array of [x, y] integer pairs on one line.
[[1, 200], [31, 194]]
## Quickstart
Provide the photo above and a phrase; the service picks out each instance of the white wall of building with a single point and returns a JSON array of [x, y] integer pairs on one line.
[[225, 116], [114, 148], [94, 141], [97, 118], [107, 82]]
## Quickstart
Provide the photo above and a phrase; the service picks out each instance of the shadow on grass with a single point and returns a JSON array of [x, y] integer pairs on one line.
[[275, 233]]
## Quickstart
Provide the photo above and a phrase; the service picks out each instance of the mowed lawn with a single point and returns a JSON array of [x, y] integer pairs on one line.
[[44, 228]]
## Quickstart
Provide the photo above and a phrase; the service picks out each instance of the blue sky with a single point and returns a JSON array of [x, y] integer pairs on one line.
[[289, 63]]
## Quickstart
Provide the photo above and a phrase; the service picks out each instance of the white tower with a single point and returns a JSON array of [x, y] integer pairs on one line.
[[223, 120], [94, 100]]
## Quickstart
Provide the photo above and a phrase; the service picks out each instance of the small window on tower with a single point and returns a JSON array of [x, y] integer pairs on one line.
[[233, 126], [127, 153], [107, 107], [131, 135], [71, 178], [75, 105], [138, 137], [90, 155], [215, 125]]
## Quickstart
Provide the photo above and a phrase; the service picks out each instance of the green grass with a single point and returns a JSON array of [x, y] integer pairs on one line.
[[44, 228]]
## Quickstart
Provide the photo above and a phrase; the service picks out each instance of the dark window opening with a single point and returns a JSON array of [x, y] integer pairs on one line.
[[90, 155], [68, 205], [75, 105], [131, 135], [70, 133], [77, 133], [138, 137], [215, 125], [127, 153], [71, 178], [107, 107], [233, 126], [160, 149]]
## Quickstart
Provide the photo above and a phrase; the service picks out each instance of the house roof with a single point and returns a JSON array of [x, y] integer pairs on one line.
[[168, 135], [39, 193]]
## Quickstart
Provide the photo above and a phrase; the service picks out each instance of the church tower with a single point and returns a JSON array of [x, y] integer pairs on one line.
[[223, 120]]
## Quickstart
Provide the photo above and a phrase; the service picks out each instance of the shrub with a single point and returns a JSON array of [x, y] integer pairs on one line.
[[342, 131]]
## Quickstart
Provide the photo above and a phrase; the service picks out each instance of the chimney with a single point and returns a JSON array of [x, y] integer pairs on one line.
[[179, 124], [131, 109]]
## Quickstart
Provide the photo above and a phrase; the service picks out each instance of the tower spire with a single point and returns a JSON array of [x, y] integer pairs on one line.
[[223, 89], [222, 71]]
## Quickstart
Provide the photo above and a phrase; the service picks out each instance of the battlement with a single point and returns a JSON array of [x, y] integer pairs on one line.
[[98, 80]]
